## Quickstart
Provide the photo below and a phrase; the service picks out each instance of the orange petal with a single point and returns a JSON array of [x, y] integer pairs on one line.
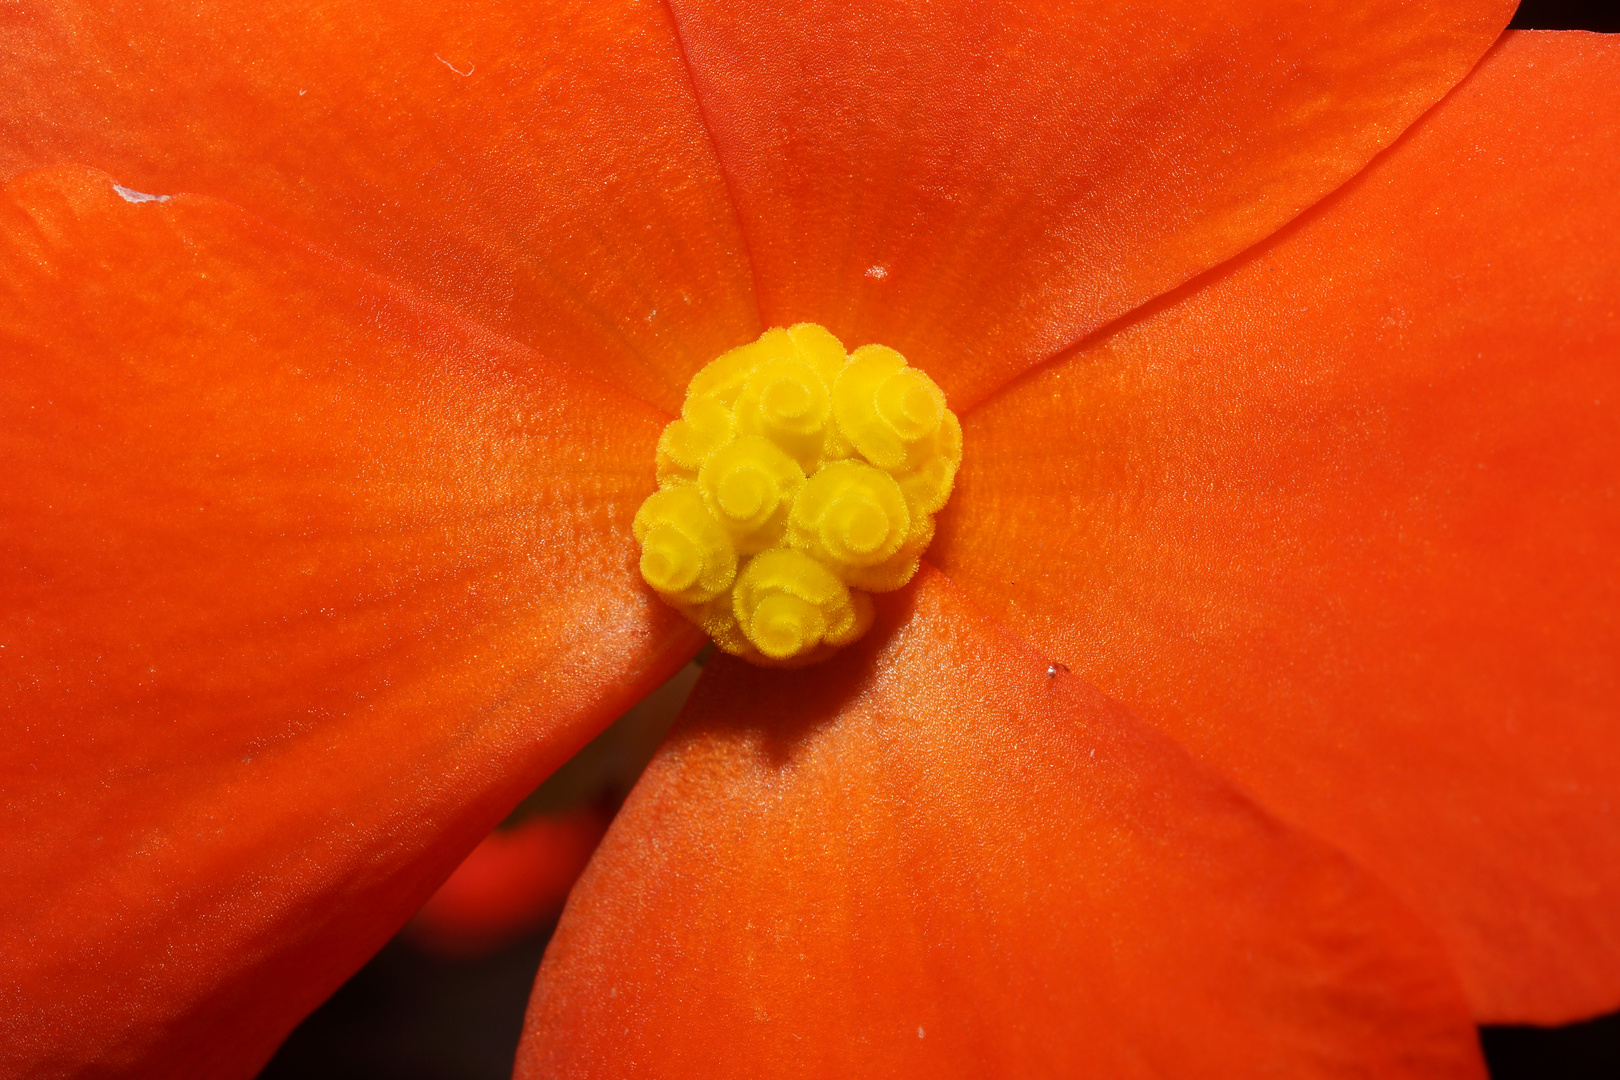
[[1343, 520], [979, 183], [513, 882], [541, 167], [301, 588], [935, 857]]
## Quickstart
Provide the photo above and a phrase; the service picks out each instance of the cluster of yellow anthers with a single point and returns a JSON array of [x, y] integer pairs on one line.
[[797, 480]]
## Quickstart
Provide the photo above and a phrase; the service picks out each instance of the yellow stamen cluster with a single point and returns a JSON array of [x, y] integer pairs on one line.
[[797, 480]]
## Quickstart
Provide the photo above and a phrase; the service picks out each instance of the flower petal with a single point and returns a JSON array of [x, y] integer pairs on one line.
[[935, 857], [303, 584], [980, 183], [512, 884], [1343, 521], [540, 166]]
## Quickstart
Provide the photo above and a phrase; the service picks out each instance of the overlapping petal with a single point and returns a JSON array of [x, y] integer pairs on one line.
[[980, 183], [1342, 520], [305, 582], [937, 856], [514, 882], [539, 166]]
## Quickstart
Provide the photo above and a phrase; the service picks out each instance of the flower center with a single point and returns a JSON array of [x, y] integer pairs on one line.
[[797, 480]]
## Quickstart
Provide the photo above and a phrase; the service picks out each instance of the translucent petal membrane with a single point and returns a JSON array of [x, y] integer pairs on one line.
[[300, 591], [1343, 520], [541, 166], [937, 856], [980, 184]]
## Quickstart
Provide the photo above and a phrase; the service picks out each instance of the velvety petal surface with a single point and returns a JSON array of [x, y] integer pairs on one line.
[[541, 166], [980, 183], [1343, 518], [303, 584], [938, 856]]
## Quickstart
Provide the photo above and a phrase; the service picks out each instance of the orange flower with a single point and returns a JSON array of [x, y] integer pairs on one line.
[[1289, 401]]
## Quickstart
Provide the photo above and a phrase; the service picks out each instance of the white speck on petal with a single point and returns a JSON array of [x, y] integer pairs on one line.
[[919, 1033], [879, 272], [470, 68], [131, 195]]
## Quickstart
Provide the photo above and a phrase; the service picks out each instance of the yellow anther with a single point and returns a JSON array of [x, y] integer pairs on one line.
[[787, 401], [704, 427], [788, 397], [773, 565], [685, 554], [723, 379], [816, 346], [910, 403], [749, 486], [931, 468], [850, 515], [788, 604]]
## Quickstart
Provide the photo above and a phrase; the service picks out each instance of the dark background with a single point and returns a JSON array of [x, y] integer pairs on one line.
[[409, 1016], [1601, 15], [406, 1016]]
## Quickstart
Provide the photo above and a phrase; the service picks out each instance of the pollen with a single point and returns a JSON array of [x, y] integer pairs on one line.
[[798, 480]]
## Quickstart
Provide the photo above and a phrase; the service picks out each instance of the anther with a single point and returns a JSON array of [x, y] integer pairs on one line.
[[796, 480]]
